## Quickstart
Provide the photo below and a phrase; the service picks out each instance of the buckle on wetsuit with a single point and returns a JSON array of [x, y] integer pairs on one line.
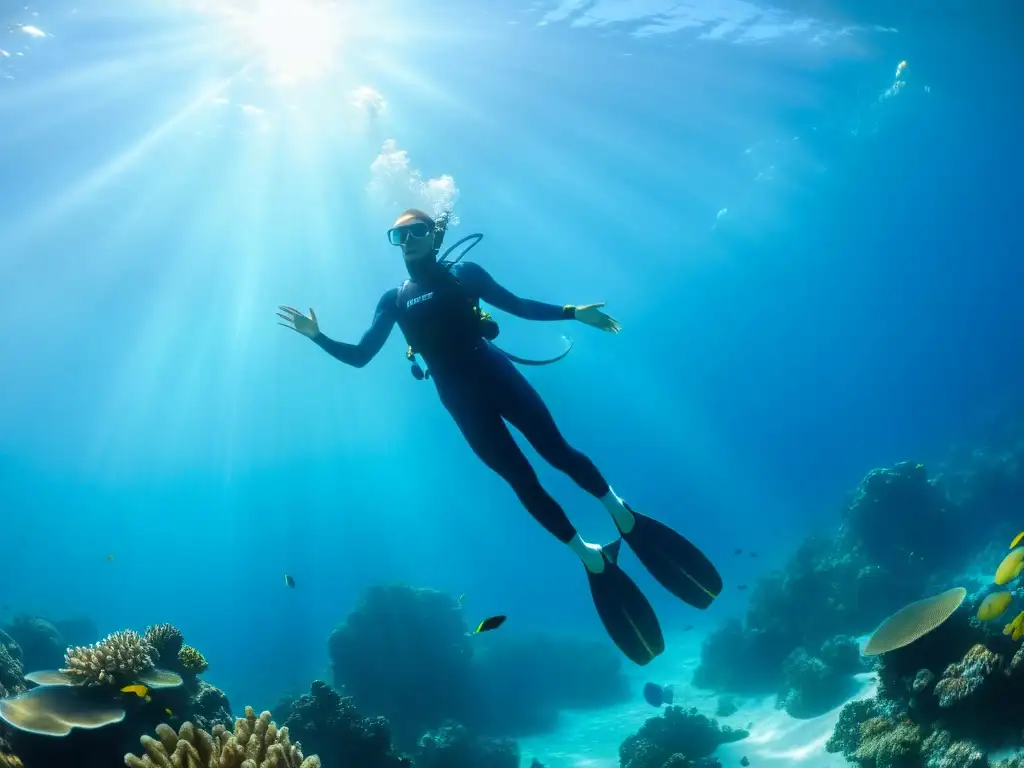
[[417, 372]]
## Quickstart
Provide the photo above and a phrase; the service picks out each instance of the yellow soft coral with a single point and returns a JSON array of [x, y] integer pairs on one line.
[[10, 761], [192, 660], [256, 743]]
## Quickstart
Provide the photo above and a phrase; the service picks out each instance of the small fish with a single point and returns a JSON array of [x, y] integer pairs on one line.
[[744, 762], [289, 581], [1016, 539], [139, 690], [688, 627], [462, 599], [490, 624], [753, 554], [110, 558], [741, 586], [168, 712], [738, 552], [656, 695]]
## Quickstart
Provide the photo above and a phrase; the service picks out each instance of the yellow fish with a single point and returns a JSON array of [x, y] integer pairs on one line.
[[1010, 568], [139, 690], [993, 606], [1016, 539], [1015, 627], [168, 712]]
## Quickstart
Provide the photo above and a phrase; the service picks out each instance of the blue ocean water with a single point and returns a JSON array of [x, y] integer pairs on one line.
[[814, 251]]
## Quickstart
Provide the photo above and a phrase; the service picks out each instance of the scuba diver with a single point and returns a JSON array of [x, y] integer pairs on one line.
[[438, 311]]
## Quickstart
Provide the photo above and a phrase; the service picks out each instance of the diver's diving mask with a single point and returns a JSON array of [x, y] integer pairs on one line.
[[417, 230]]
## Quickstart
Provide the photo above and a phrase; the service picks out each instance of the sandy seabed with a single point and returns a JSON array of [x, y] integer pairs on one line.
[[591, 739]]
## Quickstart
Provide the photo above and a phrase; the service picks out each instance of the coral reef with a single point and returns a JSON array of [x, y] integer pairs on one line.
[[677, 737], [12, 680], [874, 735], [404, 653], [206, 706], [255, 743], [42, 646], [166, 641], [327, 723], [454, 746], [942, 700], [896, 525], [813, 685], [116, 660]]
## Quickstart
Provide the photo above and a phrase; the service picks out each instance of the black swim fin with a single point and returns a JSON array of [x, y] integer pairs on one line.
[[627, 616], [677, 564]]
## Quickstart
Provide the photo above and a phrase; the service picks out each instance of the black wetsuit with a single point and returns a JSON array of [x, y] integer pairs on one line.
[[478, 385]]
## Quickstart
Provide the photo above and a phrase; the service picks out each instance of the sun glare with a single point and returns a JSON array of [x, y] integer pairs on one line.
[[295, 39]]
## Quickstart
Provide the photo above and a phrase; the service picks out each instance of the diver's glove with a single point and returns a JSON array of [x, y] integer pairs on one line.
[[307, 326], [591, 314]]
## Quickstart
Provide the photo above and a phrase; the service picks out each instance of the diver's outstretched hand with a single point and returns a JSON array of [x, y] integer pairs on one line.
[[297, 321], [591, 314]]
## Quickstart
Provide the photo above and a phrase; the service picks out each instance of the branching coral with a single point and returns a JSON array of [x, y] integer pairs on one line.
[[256, 743], [118, 659], [166, 641]]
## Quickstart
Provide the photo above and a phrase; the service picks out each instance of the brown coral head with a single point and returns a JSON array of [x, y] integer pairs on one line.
[[118, 659], [49, 677], [161, 678], [192, 660], [54, 710], [165, 639], [914, 621]]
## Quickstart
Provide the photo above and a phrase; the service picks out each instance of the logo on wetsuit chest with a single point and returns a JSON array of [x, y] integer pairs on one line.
[[418, 299]]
